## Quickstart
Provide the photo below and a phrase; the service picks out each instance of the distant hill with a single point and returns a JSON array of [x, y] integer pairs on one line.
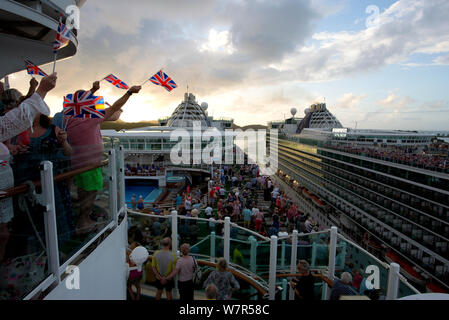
[[251, 126], [119, 125]]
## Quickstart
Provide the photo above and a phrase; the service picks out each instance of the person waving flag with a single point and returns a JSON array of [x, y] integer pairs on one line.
[[161, 79], [33, 69], [116, 82], [83, 104]]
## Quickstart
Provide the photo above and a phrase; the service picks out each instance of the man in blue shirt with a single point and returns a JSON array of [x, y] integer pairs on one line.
[[178, 201], [342, 287], [247, 213]]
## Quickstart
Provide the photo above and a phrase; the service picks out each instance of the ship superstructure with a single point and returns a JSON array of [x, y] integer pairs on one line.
[[386, 189]]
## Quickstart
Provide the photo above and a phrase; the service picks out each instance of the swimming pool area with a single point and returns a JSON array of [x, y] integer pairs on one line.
[[147, 189], [175, 179]]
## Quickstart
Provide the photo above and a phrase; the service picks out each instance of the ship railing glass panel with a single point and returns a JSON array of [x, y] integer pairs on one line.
[[44, 231], [23, 245], [252, 254]]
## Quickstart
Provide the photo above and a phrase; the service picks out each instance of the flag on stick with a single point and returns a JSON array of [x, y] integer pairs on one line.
[[161, 79], [62, 39], [116, 82], [84, 104], [33, 69], [62, 36]]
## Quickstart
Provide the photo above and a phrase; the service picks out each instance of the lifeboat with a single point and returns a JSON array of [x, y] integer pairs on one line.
[[406, 268], [371, 243], [433, 287], [317, 201], [306, 193]]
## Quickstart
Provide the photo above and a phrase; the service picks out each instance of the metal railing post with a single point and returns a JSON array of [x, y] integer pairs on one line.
[[121, 157], [113, 186], [253, 260], [283, 254], [227, 238], [284, 289], [212, 246], [253, 254], [313, 259], [393, 281], [51, 230], [332, 254], [343, 255], [174, 231], [273, 260], [293, 260]]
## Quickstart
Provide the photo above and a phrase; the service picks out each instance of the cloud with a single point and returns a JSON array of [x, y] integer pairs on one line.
[[405, 28], [442, 60], [259, 50], [350, 101], [393, 101], [218, 41]]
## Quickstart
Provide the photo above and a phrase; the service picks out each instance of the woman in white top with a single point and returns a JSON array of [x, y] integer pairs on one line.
[[13, 123]]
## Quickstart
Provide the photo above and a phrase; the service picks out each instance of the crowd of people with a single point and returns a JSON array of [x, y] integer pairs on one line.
[[435, 156], [29, 136], [143, 170], [235, 192]]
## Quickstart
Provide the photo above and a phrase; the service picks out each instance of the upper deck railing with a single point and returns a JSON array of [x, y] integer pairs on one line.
[[270, 261]]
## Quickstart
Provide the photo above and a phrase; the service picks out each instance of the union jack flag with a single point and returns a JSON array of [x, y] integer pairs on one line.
[[33, 69], [83, 104], [161, 79], [116, 82], [62, 36]]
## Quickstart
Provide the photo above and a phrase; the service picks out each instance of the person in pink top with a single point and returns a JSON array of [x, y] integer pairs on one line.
[[185, 267], [87, 144]]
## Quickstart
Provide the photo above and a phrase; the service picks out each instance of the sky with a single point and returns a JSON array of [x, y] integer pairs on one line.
[[377, 64]]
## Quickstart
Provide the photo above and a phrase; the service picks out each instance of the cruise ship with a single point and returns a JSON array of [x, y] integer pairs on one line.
[[149, 168], [387, 190], [400, 206]]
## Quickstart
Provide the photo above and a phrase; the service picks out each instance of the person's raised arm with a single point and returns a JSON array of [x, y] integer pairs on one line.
[[95, 87], [120, 102], [19, 119], [46, 85], [33, 85]]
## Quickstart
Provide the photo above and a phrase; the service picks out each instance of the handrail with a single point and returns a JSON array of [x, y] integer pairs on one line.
[[10, 192], [329, 282], [260, 290], [384, 264]]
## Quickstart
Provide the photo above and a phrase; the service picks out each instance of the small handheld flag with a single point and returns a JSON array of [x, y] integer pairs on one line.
[[62, 37], [84, 104], [161, 79], [61, 40], [33, 69], [116, 82]]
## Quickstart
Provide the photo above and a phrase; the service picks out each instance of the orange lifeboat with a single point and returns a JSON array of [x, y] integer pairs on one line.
[[435, 288], [406, 267], [371, 243], [317, 201], [306, 193]]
